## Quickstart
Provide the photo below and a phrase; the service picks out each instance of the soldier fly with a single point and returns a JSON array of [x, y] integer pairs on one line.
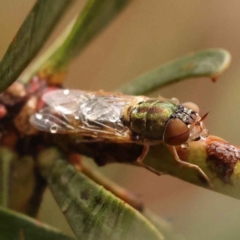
[[103, 116]]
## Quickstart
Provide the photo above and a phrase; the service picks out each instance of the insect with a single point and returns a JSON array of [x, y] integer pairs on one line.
[[121, 118]]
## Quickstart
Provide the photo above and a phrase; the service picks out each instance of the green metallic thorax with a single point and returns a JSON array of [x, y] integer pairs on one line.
[[148, 119]]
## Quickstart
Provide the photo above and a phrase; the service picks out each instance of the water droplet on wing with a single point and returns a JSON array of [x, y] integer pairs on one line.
[[54, 128], [39, 116], [66, 91], [184, 146]]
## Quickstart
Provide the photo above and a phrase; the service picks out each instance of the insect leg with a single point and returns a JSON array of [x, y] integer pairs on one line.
[[142, 156], [189, 164]]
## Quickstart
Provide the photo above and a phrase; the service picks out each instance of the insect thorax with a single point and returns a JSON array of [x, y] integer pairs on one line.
[[147, 119]]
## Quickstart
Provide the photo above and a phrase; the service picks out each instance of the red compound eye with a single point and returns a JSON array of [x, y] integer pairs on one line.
[[176, 132]]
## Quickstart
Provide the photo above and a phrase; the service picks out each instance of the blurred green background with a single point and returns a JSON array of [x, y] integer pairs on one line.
[[145, 35]]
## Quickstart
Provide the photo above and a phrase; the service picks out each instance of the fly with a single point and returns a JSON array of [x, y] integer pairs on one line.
[[121, 118]]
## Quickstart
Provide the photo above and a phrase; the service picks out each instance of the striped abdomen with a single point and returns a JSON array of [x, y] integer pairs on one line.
[[148, 118]]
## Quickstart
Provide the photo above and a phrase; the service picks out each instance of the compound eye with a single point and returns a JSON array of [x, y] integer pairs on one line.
[[176, 132]]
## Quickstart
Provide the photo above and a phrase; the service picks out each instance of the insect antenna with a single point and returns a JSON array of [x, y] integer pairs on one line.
[[204, 116]]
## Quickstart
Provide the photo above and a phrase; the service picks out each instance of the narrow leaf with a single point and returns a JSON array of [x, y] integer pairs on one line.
[[207, 63], [218, 159], [92, 212], [95, 16], [18, 226], [6, 158], [30, 38]]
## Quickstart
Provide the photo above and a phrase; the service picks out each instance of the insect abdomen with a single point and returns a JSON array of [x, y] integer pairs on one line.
[[148, 118]]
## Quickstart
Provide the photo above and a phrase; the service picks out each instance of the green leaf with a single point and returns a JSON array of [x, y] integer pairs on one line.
[[30, 38], [15, 226], [92, 211], [91, 21], [6, 158], [207, 63], [218, 159], [94, 17]]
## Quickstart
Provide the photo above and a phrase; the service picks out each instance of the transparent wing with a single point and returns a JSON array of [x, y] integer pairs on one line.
[[94, 114]]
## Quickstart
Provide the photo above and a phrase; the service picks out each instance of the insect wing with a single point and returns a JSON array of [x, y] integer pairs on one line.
[[87, 113], [64, 101]]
